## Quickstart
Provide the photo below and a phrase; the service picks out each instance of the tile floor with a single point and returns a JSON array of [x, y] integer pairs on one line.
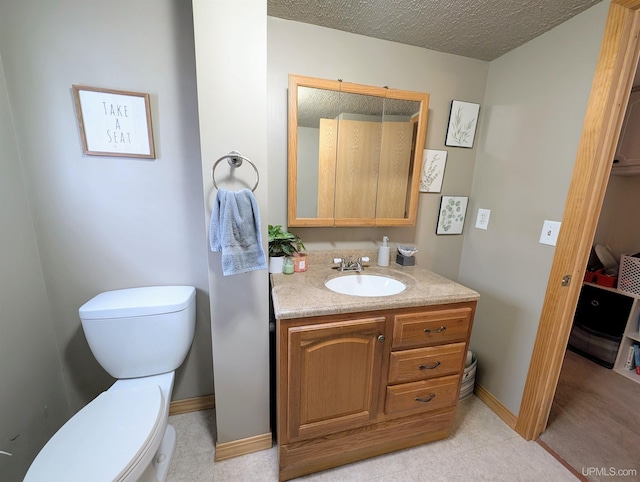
[[481, 447]]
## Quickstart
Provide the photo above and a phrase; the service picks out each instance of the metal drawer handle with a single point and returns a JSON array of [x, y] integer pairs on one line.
[[425, 400], [430, 367], [439, 330]]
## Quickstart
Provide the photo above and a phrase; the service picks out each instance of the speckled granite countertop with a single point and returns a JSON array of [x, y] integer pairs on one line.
[[304, 294]]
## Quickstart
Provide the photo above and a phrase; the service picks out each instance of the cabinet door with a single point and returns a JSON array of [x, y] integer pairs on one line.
[[395, 164], [357, 168], [334, 376], [326, 168]]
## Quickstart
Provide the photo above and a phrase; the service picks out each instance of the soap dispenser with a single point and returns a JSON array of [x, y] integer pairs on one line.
[[383, 252]]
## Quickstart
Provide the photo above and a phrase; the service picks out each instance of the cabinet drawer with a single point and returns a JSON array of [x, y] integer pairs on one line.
[[422, 396], [431, 327], [424, 363]]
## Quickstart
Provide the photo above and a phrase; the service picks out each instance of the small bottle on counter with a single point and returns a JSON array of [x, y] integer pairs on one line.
[[287, 265], [300, 262], [383, 252]]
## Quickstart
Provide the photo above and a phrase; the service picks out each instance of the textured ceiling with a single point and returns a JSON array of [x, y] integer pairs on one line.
[[316, 104], [480, 29]]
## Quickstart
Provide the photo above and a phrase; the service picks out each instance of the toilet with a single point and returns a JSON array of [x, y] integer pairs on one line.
[[140, 336]]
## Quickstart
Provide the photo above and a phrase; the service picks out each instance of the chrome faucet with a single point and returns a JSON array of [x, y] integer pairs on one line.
[[349, 264]]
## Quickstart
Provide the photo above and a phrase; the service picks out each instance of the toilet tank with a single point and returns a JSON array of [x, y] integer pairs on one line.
[[140, 332]]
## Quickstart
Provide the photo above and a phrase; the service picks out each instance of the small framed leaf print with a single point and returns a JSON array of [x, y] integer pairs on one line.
[[433, 165], [463, 120], [453, 210]]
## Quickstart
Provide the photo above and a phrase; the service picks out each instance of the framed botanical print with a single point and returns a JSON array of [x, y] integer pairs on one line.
[[463, 120], [453, 210], [433, 164]]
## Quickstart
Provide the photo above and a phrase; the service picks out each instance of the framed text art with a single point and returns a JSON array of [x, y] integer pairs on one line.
[[463, 120], [114, 122], [452, 212]]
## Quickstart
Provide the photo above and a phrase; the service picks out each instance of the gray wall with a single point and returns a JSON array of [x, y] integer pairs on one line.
[[308, 146], [33, 400], [232, 104], [104, 223], [534, 107], [303, 49]]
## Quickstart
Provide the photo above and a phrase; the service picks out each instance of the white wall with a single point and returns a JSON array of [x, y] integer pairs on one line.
[[33, 401], [618, 227], [298, 48], [104, 223], [534, 107], [230, 39]]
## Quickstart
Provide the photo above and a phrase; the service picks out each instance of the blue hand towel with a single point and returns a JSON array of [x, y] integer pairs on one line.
[[235, 230]]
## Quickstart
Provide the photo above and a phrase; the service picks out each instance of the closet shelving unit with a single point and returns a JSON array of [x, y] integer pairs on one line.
[[631, 334]]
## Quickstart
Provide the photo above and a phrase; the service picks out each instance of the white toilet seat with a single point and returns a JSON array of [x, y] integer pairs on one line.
[[105, 440]]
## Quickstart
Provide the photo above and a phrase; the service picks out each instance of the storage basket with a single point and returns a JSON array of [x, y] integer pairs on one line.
[[629, 276], [469, 379]]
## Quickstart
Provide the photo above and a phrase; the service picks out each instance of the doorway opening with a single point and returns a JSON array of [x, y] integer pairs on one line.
[[603, 120]]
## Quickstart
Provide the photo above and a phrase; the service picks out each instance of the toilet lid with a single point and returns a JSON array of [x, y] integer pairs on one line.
[[103, 439]]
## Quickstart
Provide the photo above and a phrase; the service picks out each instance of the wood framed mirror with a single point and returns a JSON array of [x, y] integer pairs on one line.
[[355, 153]]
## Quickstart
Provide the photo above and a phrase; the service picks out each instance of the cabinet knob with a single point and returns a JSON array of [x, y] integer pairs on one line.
[[381, 338]]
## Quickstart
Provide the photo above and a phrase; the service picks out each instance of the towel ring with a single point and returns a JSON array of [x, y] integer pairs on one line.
[[234, 158]]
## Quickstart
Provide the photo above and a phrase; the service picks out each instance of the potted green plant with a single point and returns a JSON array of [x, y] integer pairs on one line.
[[281, 243]]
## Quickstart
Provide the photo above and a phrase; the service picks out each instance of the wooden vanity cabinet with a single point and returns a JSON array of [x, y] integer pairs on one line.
[[357, 385]]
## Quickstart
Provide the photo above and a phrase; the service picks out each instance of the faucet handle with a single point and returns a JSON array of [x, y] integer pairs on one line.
[[341, 264], [365, 259]]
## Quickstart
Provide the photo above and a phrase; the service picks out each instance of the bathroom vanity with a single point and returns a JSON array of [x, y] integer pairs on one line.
[[360, 376]]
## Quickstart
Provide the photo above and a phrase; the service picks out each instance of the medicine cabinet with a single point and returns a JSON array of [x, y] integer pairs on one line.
[[355, 153]]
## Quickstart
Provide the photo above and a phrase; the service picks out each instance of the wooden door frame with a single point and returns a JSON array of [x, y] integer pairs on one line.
[[612, 82]]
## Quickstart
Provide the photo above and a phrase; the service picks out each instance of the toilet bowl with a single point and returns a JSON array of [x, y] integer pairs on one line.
[[140, 336]]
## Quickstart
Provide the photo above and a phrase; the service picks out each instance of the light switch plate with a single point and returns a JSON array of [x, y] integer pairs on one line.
[[482, 221], [550, 230]]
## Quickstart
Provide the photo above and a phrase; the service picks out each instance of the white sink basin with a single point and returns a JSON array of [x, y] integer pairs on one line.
[[365, 285]]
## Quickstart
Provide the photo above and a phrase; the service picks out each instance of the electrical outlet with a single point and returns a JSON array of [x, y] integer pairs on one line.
[[550, 230], [482, 221]]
